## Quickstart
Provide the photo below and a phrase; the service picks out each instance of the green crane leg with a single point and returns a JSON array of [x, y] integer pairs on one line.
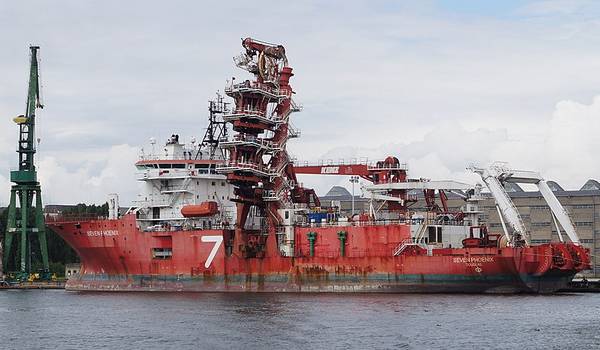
[[24, 210], [39, 220], [11, 225]]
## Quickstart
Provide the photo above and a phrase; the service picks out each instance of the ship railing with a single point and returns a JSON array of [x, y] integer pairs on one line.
[[256, 87], [293, 132], [401, 166], [152, 201], [174, 188], [152, 174], [252, 111], [187, 154], [158, 227], [295, 106], [258, 142], [403, 245], [385, 222], [250, 167], [371, 165], [75, 217], [250, 114]]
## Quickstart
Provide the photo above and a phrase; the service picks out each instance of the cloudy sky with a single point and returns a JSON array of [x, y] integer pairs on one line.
[[440, 84]]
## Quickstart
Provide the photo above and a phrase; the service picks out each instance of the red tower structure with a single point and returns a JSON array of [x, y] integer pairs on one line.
[[258, 164]]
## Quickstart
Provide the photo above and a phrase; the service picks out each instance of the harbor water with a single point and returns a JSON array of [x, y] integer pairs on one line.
[[58, 319]]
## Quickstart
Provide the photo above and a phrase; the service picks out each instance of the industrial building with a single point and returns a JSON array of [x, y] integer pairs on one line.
[[583, 206]]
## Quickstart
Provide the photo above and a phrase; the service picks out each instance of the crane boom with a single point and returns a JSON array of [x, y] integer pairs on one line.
[[491, 177], [26, 123], [498, 173]]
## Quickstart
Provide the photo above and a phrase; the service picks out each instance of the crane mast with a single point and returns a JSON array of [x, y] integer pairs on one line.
[[26, 188]]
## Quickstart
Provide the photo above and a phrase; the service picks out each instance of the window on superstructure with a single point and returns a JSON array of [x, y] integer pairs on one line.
[[162, 253], [213, 183], [178, 166], [223, 183], [432, 234], [164, 166]]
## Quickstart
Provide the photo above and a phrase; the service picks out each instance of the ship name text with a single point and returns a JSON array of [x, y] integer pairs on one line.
[[103, 233], [473, 260]]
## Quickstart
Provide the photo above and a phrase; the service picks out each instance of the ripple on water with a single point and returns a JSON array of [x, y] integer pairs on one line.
[[67, 320]]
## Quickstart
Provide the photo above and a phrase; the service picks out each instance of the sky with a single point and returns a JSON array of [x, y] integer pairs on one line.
[[439, 84]]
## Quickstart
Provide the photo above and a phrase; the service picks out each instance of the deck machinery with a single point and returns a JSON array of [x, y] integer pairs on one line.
[[29, 220], [258, 164]]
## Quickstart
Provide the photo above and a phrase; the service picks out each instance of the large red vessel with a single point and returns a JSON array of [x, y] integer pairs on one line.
[[230, 215]]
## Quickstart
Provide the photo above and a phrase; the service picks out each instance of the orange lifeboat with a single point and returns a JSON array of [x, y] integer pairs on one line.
[[208, 208]]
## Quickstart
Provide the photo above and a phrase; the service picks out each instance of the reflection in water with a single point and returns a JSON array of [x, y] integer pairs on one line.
[[59, 319]]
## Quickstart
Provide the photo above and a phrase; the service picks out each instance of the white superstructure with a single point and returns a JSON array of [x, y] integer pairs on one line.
[[177, 176]]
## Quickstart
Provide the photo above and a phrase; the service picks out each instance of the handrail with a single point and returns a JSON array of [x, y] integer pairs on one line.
[[371, 165]]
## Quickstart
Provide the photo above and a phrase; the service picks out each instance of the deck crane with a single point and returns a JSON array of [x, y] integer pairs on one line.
[[26, 186], [499, 173], [389, 183]]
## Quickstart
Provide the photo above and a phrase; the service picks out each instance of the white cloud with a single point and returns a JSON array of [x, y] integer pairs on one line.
[[435, 88], [4, 191], [86, 185], [564, 150], [572, 142]]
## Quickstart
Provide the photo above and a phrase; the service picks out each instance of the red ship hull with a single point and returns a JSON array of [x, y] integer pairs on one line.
[[116, 256]]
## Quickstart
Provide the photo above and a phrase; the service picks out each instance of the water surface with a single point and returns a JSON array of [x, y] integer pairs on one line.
[[56, 319]]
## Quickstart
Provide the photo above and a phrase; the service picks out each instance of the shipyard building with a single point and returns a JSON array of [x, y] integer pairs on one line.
[[583, 206]]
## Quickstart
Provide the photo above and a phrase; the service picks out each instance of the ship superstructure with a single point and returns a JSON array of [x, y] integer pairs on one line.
[[181, 186], [238, 220]]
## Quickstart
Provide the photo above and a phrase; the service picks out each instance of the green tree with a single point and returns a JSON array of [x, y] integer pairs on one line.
[[59, 252]]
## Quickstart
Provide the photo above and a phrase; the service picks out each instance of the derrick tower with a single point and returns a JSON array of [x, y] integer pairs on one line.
[[258, 164], [30, 218]]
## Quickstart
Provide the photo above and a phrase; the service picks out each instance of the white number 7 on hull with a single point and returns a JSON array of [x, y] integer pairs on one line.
[[217, 240]]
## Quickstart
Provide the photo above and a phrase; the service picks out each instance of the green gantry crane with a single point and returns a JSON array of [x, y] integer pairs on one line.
[[26, 188]]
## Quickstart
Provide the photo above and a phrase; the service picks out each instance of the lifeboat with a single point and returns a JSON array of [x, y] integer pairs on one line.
[[208, 208]]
